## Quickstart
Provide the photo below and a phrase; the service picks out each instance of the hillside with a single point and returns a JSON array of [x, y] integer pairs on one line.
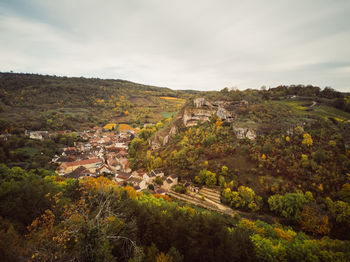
[[37, 102], [267, 152]]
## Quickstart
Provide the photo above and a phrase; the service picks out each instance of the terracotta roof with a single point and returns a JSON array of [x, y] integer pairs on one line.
[[123, 175], [135, 179], [76, 173], [160, 191], [71, 148], [84, 162], [103, 166]]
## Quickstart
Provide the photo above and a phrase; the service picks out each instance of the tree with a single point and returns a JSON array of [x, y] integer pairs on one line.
[[210, 180], [266, 250], [158, 180], [175, 255], [290, 205], [244, 198], [157, 162], [224, 171], [206, 177], [307, 140], [312, 220], [222, 181]]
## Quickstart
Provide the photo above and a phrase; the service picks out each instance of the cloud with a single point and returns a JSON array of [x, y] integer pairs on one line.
[[181, 44]]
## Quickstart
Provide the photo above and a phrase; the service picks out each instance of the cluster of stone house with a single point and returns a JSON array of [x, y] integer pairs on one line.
[[103, 152], [142, 180], [38, 135]]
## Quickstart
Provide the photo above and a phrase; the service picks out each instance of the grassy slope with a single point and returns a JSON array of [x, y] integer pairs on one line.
[[299, 109], [49, 102]]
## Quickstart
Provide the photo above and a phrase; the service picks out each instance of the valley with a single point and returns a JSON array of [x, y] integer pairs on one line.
[[136, 172]]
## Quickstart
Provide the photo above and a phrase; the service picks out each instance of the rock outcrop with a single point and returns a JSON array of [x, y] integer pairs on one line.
[[201, 111], [225, 110], [242, 132], [191, 116]]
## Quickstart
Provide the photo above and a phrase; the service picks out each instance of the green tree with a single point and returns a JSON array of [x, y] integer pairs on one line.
[[268, 251], [210, 180], [290, 205]]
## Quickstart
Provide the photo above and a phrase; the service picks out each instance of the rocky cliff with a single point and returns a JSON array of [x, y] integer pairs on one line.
[[201, 111]]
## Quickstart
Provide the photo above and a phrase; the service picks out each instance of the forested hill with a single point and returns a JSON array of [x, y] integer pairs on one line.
[[36, 102]]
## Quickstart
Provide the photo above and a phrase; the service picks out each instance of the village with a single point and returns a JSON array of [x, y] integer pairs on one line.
[[105, 153]]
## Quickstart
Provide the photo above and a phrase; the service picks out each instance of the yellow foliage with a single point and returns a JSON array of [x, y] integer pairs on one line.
[[332, 143], [307, 139], [304, 157], [299, 130], [111, 219], [163, 258], [197, 179], [245, 223], [99, 184], [171, 98], [110, 126], [123, 127], [131, 192], [320, 187], [261, 180], [287, 235]]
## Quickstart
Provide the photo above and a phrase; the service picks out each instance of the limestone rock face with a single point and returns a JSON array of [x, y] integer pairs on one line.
[[225, 114], [199, 102], [202, 111], [192, 116], [242, 132], [165, 140], [173, 130], [163, 137]]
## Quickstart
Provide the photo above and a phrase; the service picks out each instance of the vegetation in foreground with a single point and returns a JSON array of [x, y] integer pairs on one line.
[[96, 220]]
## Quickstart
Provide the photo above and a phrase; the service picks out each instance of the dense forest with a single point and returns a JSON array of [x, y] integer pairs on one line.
[[51, 219], [290, 184]]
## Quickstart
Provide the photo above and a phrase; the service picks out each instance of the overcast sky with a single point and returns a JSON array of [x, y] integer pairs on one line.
[[182, 44]]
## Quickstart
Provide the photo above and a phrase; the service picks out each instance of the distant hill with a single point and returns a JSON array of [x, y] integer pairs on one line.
[[37, 102]]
